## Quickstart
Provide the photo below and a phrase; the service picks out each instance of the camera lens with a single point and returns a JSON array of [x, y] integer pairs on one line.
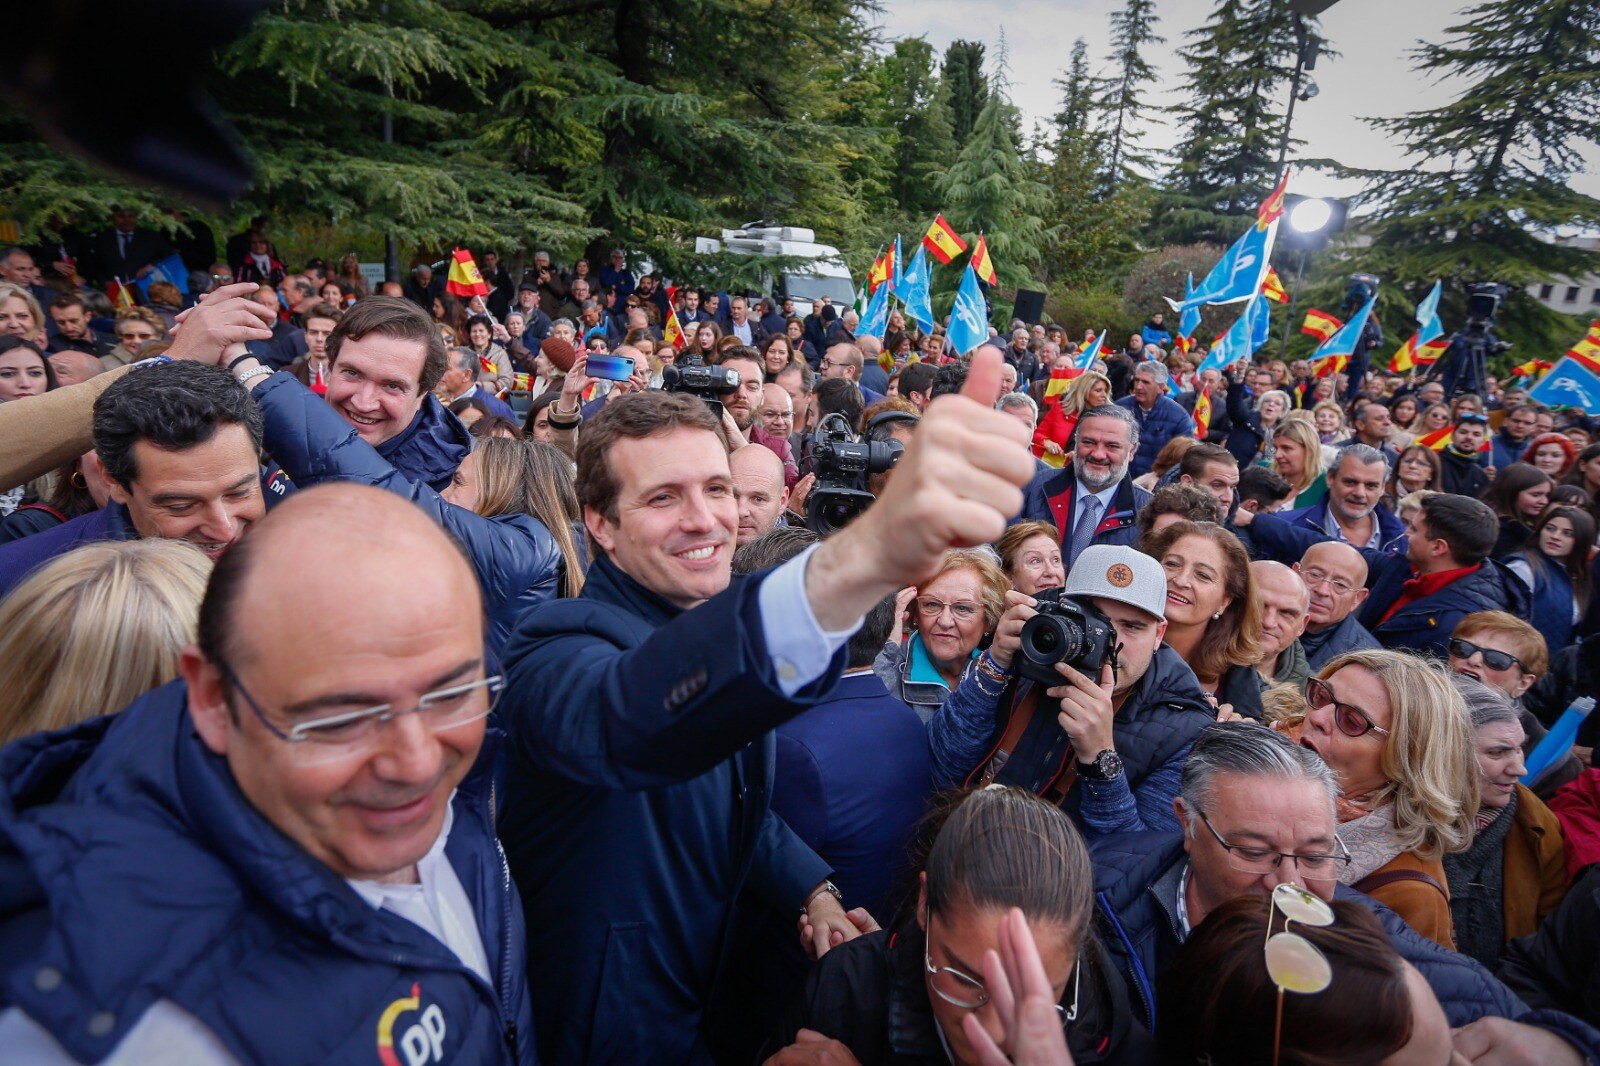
[[1045, 640]]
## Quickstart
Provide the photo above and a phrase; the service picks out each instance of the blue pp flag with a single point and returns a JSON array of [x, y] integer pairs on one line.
[[1344, 341], [1238, 274], [1238, 344], [1260, 322], [875, 319], [170, 269], [969, 315], [1568, 384], [1087, 357], [916, 292], [897, 276], [1189, 321]]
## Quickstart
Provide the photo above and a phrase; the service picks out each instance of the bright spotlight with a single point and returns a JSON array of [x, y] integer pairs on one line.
[[1310, 215]]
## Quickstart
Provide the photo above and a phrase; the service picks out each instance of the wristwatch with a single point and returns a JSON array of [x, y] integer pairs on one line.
[[1107, 766], [827, 887]]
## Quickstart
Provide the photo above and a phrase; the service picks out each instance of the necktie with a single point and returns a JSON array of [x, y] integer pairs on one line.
[[1083, 532]]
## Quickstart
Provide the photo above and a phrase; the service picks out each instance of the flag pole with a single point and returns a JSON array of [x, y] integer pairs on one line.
[[1294, 295]]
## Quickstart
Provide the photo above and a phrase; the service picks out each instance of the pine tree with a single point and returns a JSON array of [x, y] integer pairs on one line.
[[1239, 65], [969, 87], [920, 118], [1132, 34], [990, 189], [1487, 183]]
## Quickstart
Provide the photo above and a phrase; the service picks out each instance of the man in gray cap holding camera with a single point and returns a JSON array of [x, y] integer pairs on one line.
[[1112, 754]]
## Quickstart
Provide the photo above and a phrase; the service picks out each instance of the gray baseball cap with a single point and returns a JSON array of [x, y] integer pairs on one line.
[[1122, 573]]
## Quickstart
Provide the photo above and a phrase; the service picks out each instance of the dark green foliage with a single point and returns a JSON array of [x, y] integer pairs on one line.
[[968, 87]]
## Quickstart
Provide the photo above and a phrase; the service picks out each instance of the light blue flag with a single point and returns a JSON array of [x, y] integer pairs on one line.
[[1087, 357], [897, 276], [170, 269], [1344, 341], [1260, 322], [1569, 384], [1428, 309], [875, 320], [1238, 344], [969, 316], [916, 292], [1238, 274], [1189, 321]]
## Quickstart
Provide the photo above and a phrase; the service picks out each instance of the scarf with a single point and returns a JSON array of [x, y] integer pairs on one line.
[[1370, 836]]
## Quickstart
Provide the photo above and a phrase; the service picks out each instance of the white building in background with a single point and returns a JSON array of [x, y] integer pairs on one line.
[[1572, 296]]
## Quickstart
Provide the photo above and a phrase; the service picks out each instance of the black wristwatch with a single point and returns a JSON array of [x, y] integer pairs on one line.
[[1107, 766]]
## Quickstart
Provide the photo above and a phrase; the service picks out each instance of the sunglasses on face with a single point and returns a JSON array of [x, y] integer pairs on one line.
[[1351, 721], [1494, 660]]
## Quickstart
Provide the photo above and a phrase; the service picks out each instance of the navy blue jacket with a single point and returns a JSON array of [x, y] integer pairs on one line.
[[1049, 498], [430, 448], [1142, 939], [1269, 539], [1426, 624], [517, 562], [1326, 646], [20, 558], [1157, 426], [1503, 451], [852, 780], [132, 869], [637, 808]]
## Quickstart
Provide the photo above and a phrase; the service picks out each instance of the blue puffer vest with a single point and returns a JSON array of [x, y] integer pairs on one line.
[[1551, 612], [132, 870]]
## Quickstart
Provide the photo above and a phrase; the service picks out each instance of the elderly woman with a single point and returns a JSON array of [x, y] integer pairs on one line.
[[1515, 872], [1213, 611], [1030, 555], [1252, 427], [1060, 418], [135, 327], [1396, 732], [949, 615]]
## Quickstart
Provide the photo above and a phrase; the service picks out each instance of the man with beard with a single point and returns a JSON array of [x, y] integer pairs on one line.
[[1093, 501], [744, 406]]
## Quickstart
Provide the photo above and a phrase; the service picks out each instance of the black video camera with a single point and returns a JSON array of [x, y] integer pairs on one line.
[[842, 464], [1483, 300], [1065, 631], [710, 383], [1362, 288]]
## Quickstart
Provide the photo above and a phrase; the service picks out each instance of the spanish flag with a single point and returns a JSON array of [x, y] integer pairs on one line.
[[1202, 413], [1321, 325], [1057, 384], [1272, 287], [1411, 354], [521, 382], [1587, 351], [1439, 439], [464, 279], [121, 296], [1329, 365], [672, 332], [1532, 368], [982, 264], [882, 270], [1271, 208], [943, 242]]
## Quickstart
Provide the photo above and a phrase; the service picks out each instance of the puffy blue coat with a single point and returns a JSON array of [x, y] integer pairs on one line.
[[430, 448], [1285, 537], [637, 809], [132, 870], [517, 562], [1157, 426], [1426, 624], [1049, 498], [1142, 939]]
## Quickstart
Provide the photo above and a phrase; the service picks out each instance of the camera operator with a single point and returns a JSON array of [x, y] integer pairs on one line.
[[1123, 733], [639, 714], [1363, 287], [743, 406], [1464, 365]]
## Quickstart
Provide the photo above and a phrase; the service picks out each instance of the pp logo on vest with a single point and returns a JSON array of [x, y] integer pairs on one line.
[[422, 1042]]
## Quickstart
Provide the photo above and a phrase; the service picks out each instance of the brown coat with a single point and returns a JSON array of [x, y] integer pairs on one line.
[[1425, 908], [1535, 870]]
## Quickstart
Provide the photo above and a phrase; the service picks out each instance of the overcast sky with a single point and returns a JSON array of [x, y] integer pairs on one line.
[[1372, 79]]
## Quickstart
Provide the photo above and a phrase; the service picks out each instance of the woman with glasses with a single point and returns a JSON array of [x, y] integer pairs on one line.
[[1518, 495], [1554, 564], [1223, 999], [1417, 470], [1515, 872], [947, 618], [911, 995], [1396, 732], [134, 328]]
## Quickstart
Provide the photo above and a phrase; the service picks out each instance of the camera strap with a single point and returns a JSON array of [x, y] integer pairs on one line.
[[1022, 711]]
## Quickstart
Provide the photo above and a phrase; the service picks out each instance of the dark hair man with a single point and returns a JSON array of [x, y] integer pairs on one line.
[[744, 407], [1372, 427], [1262, 490], [1177, 503], [1519, 427], [916, 384], [1093, 501], [1461, 464], [1257, 811], [308, 809], [180, 444], [73, 332], [1353, 512], [1211, 467], [640, 713]]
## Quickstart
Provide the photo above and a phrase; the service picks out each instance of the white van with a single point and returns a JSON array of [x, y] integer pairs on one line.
[[824, 275]]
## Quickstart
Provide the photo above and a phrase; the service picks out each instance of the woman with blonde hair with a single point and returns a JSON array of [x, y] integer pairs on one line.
[[135, 328], [20, 314], [506, 477], [93, 629], [1213, 610], [1397, 733], [1060, 419], [1297, 458]]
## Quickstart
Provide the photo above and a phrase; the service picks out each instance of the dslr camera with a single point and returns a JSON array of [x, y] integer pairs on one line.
[[710, 383], [1065, 631], [842, 464]]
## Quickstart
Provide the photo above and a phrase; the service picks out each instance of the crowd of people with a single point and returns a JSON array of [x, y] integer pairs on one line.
[[379, 682]]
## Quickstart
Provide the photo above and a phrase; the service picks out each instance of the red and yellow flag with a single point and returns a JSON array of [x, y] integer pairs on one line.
[[882, 270], [1057, 384], [121, 298], [1329, 365], [672, 332], [1202, 413], [1272, 287], [464, 279], [1532, 368], [521, 382], [942, 241], [1411, 355], [1587, 351], [982, 263], [1271, 208], [1439, 439], [1320, 324]]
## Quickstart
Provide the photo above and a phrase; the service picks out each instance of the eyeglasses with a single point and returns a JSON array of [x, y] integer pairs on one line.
[[1314, 577], [960, 989], [1294, 963], [1494, 660], [1470, 417], [144, 336], [355, 733], [962, 611], [1313, 867], [1351, 721]]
